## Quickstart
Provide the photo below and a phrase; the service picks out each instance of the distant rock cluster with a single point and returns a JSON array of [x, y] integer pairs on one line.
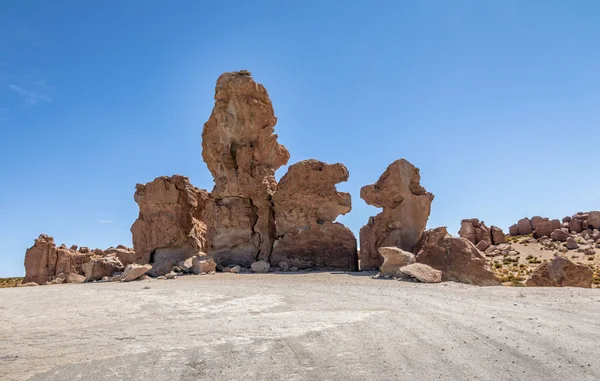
[[249, 222]]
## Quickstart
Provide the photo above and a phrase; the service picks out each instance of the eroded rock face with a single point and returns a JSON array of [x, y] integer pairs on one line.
[[406, 207], [475, 231], [45, 263], [457, 258], [241, 151], [169, 227], [498, 236], [306, 205], [560, 272]]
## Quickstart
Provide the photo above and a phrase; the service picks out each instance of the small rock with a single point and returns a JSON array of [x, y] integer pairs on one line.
[[260, 267], [294, 269], [171, 275], [572, 243], [235, 269], [204, 264], [162, 277], [29, 284], [284, 266]]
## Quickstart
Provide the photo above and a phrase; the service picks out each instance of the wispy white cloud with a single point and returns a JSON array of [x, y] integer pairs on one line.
[[105, 221], [33, 94]]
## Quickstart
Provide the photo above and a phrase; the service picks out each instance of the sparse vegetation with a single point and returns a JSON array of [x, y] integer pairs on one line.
[[10, 282]]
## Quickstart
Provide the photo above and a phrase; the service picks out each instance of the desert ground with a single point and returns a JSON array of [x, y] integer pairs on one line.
[[293, 326]]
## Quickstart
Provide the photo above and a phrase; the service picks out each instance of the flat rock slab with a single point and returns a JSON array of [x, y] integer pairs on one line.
[[317, 326]]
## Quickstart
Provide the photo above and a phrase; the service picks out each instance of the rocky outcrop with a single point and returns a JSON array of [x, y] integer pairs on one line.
[[393, 259], [543, 226], [406, 207], [45, 262], [241, 151], [498, 236], [457, 258], [306, 205], [169, 227], [475, 231], [560, 272]]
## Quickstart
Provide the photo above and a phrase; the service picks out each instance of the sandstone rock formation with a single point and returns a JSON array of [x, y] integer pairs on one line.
[[306, 205], [475, 231], [406, 207], [457, 258], [394, 259], [560, 272], [45, 262], [169, 227], [242, 153], [422, 272], [498, 236]]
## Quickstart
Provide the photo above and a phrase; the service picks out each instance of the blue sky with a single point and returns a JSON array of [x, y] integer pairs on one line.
[[497, 102]]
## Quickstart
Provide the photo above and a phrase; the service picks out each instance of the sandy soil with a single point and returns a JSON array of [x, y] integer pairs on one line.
[[311, 326]]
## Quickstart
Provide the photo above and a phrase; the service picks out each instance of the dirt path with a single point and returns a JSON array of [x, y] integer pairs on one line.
[[297, 327]]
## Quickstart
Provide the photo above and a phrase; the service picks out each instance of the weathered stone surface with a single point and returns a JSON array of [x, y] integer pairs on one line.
[[393, 259], [406, 207], [260, 267], [571, 243], [203, 264], [498, 236], [169, 227], [513, 230], [423, 273], [134, 271], [457, 258], [100, 267], [559, 235], [482, 245], [29, 284], [125, 255], [524, 226], [306, 205], [545, 227], [535, 221], [475, 231], [44, 260], [75, 278], [560, 272], [575, 226], [593, 220], [242, 153]]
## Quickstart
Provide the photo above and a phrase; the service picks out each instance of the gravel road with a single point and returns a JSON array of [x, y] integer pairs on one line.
[[308, 326]]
